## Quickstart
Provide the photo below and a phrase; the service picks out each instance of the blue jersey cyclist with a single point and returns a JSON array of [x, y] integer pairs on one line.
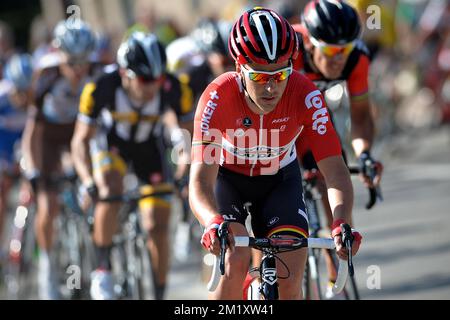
[[15, 94]]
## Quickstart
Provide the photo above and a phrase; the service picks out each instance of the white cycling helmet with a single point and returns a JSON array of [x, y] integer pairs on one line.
[[74, 38], [19, 70]]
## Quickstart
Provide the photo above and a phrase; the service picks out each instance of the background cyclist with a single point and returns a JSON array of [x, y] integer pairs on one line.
[[126, 111], [196, 59], [15, 97], [332, 53], [63, 73]]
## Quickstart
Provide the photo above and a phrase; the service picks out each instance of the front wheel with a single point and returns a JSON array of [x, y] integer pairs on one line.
[[252, 284]]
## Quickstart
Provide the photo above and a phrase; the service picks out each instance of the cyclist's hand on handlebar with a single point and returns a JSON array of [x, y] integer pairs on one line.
[[370, 170], [210, 239], [33, 178], [92, 191], [336, 234]]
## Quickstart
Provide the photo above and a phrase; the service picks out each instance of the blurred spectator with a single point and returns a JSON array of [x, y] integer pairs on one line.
[[167, 31], [103, 53], [377, 37], [433, 46], [144, 19], [41, 36], [6, 44]]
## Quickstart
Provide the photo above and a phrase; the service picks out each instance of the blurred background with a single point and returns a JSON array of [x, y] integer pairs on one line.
[[410, 48], [407, 235]]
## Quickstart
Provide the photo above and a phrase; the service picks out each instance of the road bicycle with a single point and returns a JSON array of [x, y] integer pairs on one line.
[[131, 259], [314, 283], [21, 251], [74, 252], [266, 274]]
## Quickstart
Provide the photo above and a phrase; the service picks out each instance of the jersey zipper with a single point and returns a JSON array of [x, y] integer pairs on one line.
[[261, 119]]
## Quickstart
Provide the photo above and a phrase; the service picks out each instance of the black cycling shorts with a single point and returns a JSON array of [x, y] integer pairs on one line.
[[147, 159], [274, 202]]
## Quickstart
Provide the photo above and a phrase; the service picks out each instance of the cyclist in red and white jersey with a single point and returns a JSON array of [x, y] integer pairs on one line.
[[244, 156], [332, 53]]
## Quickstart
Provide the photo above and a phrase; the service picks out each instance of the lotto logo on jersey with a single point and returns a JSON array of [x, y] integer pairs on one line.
[[320, 116]]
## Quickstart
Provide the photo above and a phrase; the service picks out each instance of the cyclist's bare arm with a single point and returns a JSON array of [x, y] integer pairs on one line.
[[201, 191], [202, 200], [80, 151], [340, 192], [31, 144], [339, 185], [363, 127], [363, 134]]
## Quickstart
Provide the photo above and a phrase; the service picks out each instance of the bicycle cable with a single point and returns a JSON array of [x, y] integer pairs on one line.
[[285, 265]]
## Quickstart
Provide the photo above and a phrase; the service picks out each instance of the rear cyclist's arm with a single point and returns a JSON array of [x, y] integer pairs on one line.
[[85, 129], [363, 133], [363, 127], [362, 124], [80, 151], [31, 143], [362, 119], [339, 185]]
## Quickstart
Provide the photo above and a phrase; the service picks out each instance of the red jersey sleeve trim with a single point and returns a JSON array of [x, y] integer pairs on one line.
[[358, 82]]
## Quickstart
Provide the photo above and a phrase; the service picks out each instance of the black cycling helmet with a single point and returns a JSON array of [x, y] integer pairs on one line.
[[212, 35], [331, 21], [144, 55]]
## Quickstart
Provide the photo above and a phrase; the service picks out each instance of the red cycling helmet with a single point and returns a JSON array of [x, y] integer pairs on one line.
[[262, 36]]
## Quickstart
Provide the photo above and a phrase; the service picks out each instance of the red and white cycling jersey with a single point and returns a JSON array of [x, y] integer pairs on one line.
[[227, 132]]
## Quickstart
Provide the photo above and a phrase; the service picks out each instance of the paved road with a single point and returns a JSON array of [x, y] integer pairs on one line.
[[406, 237]]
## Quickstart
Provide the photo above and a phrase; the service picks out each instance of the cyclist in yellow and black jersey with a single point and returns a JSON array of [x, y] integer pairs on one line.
[[126, 111]]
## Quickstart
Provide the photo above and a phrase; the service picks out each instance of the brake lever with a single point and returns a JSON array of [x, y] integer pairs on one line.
[[374, 192], [223, 238], [347, 239]]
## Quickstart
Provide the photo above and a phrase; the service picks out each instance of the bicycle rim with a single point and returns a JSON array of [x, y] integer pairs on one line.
[[314, 283]]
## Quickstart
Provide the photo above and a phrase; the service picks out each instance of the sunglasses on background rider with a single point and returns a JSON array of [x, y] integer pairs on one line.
[[262, 77], [73, 62], [141, 79], [331, 50]]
